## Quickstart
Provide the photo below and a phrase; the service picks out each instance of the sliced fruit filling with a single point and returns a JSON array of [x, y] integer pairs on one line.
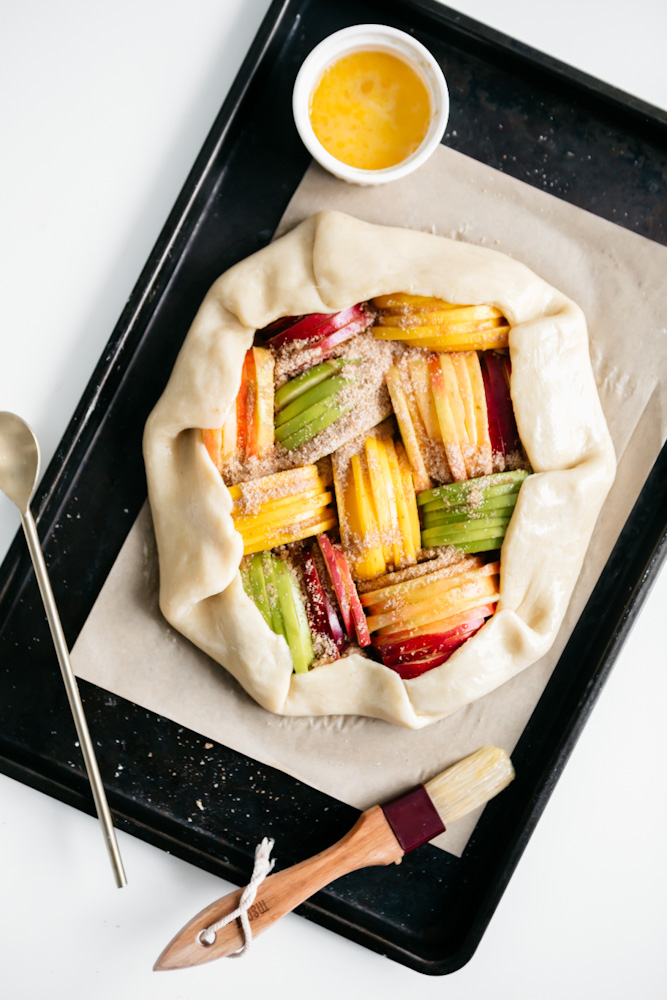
[[471, 516], [428, 322], [375, 493], [380, 545], [282, 508]]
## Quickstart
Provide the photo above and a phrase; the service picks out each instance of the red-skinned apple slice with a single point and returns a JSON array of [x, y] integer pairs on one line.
[[502, 425], [329, 344], [316, 326], [434, 628], [242, 405], [400, 653], [340, 590], [284, 323], [321, 612], [356, 610], [418, 667]]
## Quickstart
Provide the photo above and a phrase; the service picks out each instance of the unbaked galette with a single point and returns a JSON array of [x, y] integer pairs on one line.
[[375, 471]]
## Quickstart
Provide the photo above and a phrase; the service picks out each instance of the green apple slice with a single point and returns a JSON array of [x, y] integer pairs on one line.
[[454, 494], [289, 417], [291, 390], [492, 527], [317, 421], [268, 561], [257, 586], [297, 631], [500, 506]]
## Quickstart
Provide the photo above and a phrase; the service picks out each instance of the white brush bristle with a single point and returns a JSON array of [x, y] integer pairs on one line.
[[470, 783]]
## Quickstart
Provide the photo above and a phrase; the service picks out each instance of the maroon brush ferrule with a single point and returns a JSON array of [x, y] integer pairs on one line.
[[413, 818]]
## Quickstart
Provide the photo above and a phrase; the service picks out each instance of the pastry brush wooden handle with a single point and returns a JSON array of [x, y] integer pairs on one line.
[[370, 842]]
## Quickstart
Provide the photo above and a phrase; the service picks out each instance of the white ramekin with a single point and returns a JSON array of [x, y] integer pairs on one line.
[[378, 37]]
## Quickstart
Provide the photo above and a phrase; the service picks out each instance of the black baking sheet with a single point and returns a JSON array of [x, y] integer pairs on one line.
[[513, 109]]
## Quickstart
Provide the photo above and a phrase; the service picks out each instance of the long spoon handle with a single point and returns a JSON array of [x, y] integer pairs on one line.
[[101, 804]]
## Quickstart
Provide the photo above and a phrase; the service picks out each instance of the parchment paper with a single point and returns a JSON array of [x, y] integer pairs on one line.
[[616, 277]]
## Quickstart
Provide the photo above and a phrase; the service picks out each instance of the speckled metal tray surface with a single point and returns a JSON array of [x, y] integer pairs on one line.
[[562, 131]]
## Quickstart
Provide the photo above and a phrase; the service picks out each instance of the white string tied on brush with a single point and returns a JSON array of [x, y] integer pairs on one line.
[[262, 867]]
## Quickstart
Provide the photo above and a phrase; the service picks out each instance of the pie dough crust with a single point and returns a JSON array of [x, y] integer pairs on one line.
[[327, 263]]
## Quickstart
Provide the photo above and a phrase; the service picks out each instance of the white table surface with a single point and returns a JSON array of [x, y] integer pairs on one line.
[[104, 107]]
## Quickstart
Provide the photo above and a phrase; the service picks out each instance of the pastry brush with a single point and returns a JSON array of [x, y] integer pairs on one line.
[[381, 835]]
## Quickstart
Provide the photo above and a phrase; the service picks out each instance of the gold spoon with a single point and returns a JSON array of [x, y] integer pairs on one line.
[[19, 469]]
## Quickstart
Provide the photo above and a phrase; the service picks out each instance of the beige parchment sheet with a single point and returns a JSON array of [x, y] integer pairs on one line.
[[617, 278]]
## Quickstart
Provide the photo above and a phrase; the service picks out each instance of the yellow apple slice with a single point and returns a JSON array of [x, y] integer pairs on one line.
[[289, 525], [446, 319], [484, 450], [307, 530], [405, 596], [212, 439], [281, 513], [397, 543], [447, 603], [277, 485], [457, 404], [404, 588], [406, 427], [460, 367], [228, 445], [371, 561], [421, 386], [446, 420], [404, 524], [398, 631], [403, 301], [407, 482], [433, 338], [276, 505], [264, 392], [380, 498]]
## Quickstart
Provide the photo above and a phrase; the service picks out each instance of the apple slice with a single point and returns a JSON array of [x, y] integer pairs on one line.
[[443, 605], [297, 631], [356, 610], [436, 647], [418, 667], [484, 451], [242, 405], [329, 344], [421, 386], [228, 447], [407, 428], [212, 438], [262, 436], [404, 302], [502, 425], [387, 479], [431, 585], [371, 561], [303, 383], [337, 582], [446, 420], [409, 554], [322, 614], [284, 323], [419, 646], [317, 326], [380, 498], [407, 482], [424, 632]]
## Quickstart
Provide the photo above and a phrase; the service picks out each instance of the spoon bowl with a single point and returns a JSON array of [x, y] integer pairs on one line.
[[19, 460]]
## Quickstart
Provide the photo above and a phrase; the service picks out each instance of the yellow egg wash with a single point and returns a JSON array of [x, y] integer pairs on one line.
[[370, 110]]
